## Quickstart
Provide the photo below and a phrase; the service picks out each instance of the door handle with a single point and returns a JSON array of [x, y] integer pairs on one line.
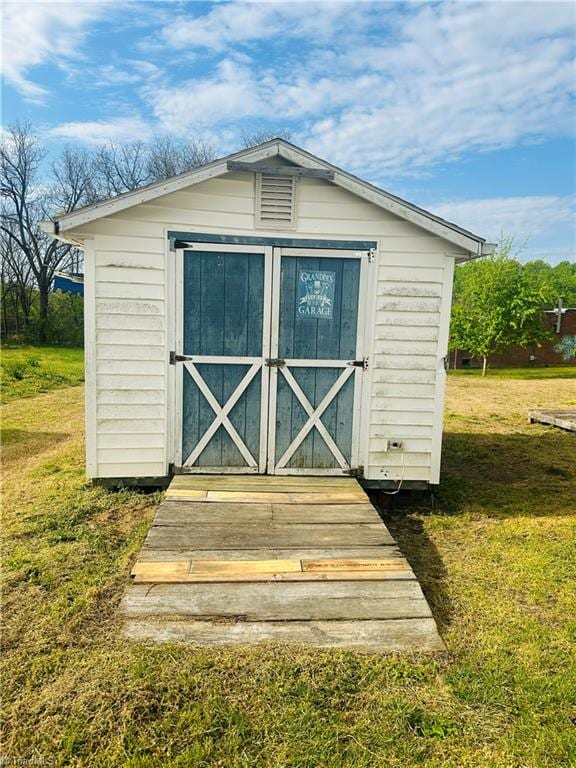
[[275, 362]]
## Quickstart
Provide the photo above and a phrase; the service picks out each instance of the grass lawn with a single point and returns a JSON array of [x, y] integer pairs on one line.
[[28, 371], [496, 556]]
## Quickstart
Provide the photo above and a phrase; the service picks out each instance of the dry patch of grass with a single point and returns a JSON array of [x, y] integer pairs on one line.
[[495, 555]]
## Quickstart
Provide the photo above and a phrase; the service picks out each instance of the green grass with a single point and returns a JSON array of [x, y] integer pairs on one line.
[[28, 371], [566, 372], [496, 556]]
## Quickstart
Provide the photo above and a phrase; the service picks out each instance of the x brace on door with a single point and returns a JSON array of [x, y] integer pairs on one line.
[[222, 411], [314, 416]]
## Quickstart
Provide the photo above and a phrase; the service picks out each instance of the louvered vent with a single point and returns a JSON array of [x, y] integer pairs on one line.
[[275, 201]]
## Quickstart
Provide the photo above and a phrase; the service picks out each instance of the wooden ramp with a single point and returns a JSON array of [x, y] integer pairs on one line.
[[240, 560], [565, 418]]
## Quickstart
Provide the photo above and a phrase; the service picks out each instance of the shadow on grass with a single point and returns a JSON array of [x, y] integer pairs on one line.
[[483, 475], [405, 522], [506, 475], [19, 443]]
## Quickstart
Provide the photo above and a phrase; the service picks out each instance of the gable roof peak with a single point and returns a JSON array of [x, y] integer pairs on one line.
[[462, 238]]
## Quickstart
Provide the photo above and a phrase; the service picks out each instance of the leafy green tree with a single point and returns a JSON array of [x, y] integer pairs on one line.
[[498, 303], [561, 279]]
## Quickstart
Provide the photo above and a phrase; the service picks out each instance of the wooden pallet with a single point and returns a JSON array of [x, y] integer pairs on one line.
[[236, 560], [565, 418]]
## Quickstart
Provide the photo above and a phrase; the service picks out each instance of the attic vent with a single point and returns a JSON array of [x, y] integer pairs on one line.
[[275, 201]]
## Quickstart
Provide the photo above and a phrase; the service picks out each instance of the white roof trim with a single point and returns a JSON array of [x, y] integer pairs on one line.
[[470, 242]]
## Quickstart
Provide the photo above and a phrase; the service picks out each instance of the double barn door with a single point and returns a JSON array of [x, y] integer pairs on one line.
[[269, 359]]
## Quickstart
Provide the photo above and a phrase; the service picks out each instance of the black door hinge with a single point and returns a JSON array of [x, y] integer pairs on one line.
[[174, 358], [360, 363], [355, 472]]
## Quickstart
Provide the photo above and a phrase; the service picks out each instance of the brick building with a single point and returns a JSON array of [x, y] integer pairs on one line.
[[549, 353]]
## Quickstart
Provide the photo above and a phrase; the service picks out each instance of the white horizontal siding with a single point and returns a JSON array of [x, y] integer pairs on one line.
[[131, 469], [131, 411], [125, 440], [404, 363], [122, 306], [118, 426], [140, 261], [414, 319], [406, 333], [135, 380], [402, 389], [131, 352], [411, 405], [134, 313], [142, 337], [390, 347], [407, 304], [129, 396], [406, 359], [399, 273], [139, 291], [131, 367], [380, 433], [125, 322]]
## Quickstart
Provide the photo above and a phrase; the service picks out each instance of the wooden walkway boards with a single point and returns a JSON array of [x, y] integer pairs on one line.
[[565, 418], [245, 559]]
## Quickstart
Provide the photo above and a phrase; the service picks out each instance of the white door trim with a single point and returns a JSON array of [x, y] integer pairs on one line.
[[314, 414], [257, 364]]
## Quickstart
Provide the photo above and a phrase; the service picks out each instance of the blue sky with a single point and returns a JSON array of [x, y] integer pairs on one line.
[[464, 108]]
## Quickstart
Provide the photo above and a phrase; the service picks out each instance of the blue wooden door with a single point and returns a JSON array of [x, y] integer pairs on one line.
[[316, 378], [224, 339]]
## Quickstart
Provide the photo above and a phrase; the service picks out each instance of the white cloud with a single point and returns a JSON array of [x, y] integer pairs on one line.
[[431, 84], [119, 74], [38, 32], [460, 77], [227, 24], [521, 217], [101, 132], [232, 93], [235, 91]]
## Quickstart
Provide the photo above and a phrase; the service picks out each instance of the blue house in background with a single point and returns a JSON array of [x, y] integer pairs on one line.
[[69, 282]]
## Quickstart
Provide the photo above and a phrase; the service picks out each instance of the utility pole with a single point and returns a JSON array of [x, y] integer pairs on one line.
[[559, 315]]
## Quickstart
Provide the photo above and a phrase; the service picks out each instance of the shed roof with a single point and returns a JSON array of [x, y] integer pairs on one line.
[[474, 244]]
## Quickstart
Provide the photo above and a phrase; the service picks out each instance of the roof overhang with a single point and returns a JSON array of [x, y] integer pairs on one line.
[[253, 160]]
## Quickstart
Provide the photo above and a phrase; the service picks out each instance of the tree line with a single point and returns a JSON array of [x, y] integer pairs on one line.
[[32, 192], [498, 302]]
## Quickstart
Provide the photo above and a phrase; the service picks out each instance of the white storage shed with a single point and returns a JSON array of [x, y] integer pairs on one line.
[[266, 313]]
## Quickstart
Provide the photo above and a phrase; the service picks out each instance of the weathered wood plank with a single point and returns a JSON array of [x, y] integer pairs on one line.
[[325, 513], [193, 513], [255, 497], [565, 418], [265, 482], [353, 564], [199, 571], [181, 512], [370, 636], [280, 601], [256, 536], [222, 567], [230, 577], [163, 555], [168, 567]]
